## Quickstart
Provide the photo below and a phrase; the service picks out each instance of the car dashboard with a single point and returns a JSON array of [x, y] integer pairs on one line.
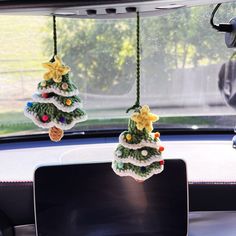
[[212, 188]]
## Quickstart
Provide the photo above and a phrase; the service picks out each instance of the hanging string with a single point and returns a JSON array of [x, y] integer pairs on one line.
[[137, 103], [55, 35], [54, 38]]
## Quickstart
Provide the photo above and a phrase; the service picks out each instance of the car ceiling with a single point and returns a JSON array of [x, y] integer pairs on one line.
[[97, 9]]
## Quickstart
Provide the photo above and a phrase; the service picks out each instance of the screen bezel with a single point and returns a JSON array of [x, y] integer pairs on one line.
[[48, 166]]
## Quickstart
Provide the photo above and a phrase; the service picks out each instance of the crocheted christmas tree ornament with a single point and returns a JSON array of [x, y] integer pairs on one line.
[[139, 153]]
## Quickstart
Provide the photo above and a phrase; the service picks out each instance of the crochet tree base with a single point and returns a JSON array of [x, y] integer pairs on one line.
[[56, 134]]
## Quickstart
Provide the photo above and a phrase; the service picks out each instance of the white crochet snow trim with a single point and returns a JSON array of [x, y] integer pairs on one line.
[[54, 89], [33, 117], [132, 174], [37, 98], [136, 146], [132, 160]]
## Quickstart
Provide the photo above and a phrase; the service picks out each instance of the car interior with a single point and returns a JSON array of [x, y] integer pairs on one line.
[[117, 118]]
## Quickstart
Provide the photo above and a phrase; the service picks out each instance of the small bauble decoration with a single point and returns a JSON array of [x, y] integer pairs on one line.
[[64, 86], [143, 168], [62, 119], [120, 165], [128, 137], [43, 83], [45, 95], [161, 148], [162, 162], [56, 134], [118, 153], [68, 102], [144, 153], [45, 118], [157, 135], [29, 104]]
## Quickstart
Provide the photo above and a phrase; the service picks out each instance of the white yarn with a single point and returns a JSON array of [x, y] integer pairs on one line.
[[131, 173], [56, 90]]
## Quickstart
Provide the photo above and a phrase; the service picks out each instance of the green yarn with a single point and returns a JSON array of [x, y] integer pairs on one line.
[[137, 154], [54, 35], [65, 79], [62, 100], [137, 102]]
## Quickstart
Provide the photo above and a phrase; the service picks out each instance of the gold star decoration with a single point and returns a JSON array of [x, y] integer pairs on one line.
[[144, 119], [55, 70]]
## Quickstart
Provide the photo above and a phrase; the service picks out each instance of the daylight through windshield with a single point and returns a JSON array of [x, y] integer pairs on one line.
[[182, 59]]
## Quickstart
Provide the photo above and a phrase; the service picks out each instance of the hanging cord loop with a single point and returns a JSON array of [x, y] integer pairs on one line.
[[223, 27], [137, 103], [214, 26], [54, 38]]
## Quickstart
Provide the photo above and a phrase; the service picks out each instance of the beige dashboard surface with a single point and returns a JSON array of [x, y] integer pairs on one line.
[[206, 160]]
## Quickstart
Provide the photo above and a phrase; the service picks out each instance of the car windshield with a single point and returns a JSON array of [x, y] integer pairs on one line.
[[183, 66]]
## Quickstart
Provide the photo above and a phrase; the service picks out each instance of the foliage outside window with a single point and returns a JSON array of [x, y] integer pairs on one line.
[[181, 59]]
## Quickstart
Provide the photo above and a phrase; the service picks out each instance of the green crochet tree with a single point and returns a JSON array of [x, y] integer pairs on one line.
[[56, 105], [139, 151]]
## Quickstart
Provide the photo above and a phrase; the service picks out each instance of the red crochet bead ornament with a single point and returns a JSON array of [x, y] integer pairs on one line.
[[45, 118], [45, 95]]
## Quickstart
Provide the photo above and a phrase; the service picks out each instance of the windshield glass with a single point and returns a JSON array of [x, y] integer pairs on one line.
[[183, 74]]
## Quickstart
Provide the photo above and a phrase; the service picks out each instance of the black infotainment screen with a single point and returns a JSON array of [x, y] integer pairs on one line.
[[90, 200]]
